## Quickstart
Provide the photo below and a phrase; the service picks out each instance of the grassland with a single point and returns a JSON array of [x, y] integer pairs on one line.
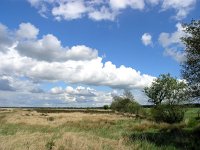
[[23, 129]]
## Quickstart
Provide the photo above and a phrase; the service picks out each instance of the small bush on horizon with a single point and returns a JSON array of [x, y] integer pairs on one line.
[[125, 103], [106, 107], [50, 118]]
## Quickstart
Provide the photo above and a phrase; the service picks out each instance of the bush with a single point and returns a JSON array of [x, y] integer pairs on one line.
[[105, 107], [134, 108], [50, 118], [125, 105], [167, 113], [193, 122]]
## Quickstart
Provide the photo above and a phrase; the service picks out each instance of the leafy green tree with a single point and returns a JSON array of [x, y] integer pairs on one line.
[[167, 93], [166, 90], [191, 67]]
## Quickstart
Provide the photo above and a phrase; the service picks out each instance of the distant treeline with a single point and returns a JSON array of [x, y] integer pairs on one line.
[[185, 105], [86, 108]]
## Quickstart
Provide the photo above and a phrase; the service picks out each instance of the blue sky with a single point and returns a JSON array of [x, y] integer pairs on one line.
[[81, 52]]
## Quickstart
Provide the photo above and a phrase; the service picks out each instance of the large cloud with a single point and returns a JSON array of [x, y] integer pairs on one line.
[[82, 94], [28, 62], [45, 59], [13, 83], [106, 9], [6, 40], [4, 85], [49, 49], [91, 72]]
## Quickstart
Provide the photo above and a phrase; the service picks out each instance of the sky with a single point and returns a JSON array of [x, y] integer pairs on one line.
[[81, 53]]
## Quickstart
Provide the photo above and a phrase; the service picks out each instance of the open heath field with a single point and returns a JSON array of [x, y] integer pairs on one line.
[[23, 129]]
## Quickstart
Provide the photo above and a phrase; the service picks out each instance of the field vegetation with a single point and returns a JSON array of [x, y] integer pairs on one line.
[[32, 129]]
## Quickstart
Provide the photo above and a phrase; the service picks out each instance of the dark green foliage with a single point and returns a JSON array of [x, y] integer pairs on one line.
[[134, 108], [167, 93], [193, 122], [167, 113], [105, 107], [125, 103], [166, 90], [120, 104], [176, 138], [191, 67]]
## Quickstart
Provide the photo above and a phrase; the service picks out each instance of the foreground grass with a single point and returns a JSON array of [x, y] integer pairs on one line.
[[22, 129]]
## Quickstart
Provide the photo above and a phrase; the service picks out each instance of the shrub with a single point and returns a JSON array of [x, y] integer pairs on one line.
[[50, 118], [167, 113], [193, 122], [134, 107], [125, 105], [105, 107]]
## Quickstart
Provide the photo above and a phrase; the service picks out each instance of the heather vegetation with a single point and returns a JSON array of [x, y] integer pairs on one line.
[[29, 129]]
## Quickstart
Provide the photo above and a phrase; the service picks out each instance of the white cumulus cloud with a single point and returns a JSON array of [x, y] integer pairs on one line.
[[49, 48], [40, 59], [28, 62], [27, 31], [146, 39]]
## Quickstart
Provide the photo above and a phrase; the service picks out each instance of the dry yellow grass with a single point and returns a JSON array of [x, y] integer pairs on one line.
[[35, 118], [82, 141], [23, 141], [62, 140], [68, 141]]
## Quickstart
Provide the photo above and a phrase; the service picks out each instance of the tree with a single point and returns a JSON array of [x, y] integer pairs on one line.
[[167, 93], [191, 67], [105, 107], [166, 90], [125, 103]]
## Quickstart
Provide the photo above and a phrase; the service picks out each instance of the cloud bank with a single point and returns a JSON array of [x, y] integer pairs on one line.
[[28, 61], [98, 10]]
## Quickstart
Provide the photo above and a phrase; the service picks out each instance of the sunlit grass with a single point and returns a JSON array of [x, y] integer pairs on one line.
[[20, 129]]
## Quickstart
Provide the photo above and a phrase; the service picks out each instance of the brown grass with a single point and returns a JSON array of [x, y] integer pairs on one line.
[[68, 141], [35, 118], [82, 141], [23, 141]]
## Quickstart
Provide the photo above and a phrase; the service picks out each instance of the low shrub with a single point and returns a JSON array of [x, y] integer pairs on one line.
[[167, 113], [126, 105], [193, 122], [105, 107], [50, 118]]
